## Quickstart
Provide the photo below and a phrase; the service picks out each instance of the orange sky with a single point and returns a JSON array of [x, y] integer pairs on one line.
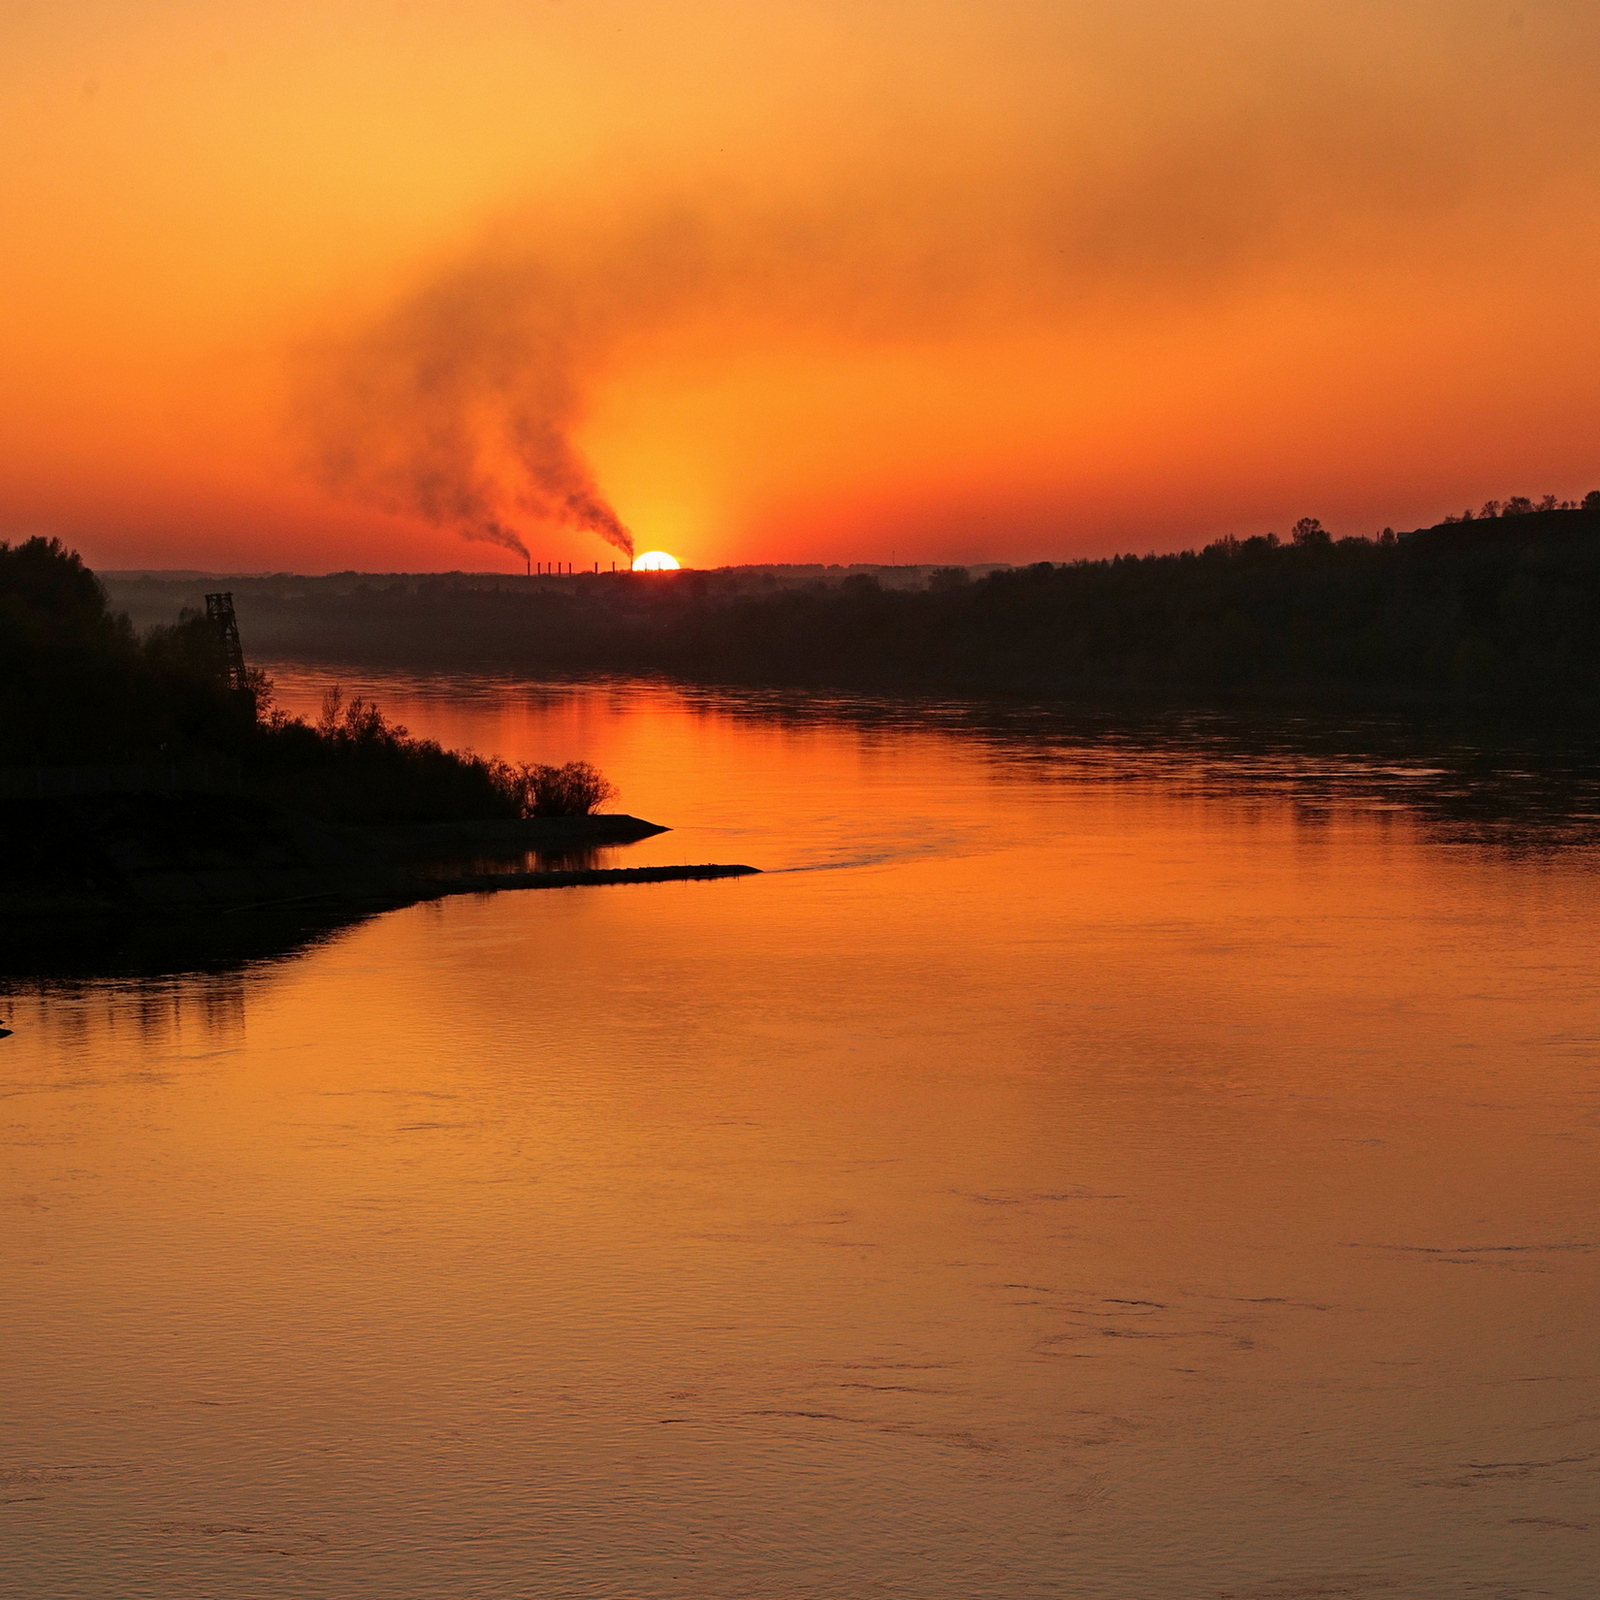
[[795, 281]]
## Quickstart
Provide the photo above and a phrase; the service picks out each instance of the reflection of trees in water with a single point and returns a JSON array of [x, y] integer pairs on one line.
[[163, 972], [70, 1010], [1520, 785], [486, 864], [571, 860], [1507, 780], [199, 968]]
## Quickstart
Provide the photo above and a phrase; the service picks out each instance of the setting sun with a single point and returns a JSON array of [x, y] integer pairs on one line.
[[655, 561]]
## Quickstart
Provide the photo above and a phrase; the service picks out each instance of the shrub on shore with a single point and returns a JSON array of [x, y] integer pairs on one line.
[[355, 765], [574, 790]]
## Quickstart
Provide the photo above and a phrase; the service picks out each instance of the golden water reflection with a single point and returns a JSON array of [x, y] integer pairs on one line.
[[1061, 1175]]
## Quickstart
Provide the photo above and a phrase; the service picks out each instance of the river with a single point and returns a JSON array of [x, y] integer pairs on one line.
[[1119, 1157]]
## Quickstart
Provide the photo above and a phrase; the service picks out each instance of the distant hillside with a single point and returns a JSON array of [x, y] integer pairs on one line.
[[1499, 606], [154, 598]]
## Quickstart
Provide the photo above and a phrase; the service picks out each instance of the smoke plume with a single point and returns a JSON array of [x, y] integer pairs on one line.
[[458, 407], [1115, 202]]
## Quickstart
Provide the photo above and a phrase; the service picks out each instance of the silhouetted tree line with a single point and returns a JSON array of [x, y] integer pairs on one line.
[[1499, 606], [78, 687], [1519, 505]]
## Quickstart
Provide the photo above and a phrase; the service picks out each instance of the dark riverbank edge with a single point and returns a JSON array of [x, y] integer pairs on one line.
[[1101, 695], [77, 860], [1498, 610], [402, 841], [493, 882]]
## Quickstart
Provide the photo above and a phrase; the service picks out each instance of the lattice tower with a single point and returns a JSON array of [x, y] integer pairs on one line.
[[230, 653]]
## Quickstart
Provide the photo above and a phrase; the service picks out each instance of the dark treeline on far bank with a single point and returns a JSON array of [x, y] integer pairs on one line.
[[81, 687], [1504, 604]]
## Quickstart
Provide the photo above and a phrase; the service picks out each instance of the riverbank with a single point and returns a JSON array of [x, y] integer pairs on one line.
[[100, 857], [1501, 609]]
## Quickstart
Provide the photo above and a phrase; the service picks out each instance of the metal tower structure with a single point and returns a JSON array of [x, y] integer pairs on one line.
[[230, 653]]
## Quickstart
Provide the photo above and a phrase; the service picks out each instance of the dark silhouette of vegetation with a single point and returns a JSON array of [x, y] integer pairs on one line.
[[574, 790], [77, 684], [354, 765], [1519, 505], [1503, 603], [78, 687]]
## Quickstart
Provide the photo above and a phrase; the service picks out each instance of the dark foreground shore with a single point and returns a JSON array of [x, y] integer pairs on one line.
[[88, 858]]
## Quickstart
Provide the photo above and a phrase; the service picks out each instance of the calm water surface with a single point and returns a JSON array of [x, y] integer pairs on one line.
[[1142, 1163]]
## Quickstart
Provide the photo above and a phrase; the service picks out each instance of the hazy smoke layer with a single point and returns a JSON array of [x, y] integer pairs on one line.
[[458, 408], [1104, 187]]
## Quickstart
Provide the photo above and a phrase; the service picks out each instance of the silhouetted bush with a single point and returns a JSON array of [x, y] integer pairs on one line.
[[574, 790], [352, 765]]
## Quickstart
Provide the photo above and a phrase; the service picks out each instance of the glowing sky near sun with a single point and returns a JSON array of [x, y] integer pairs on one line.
[[788, 281]]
